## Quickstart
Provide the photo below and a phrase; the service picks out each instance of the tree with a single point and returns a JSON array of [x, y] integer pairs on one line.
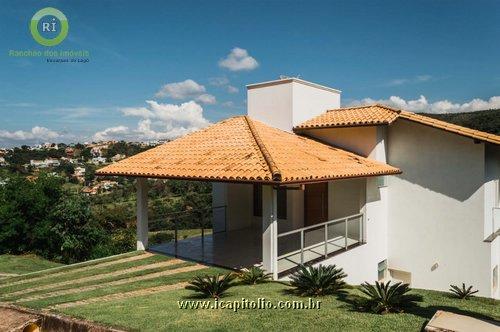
[[74, 232], [23, 211]]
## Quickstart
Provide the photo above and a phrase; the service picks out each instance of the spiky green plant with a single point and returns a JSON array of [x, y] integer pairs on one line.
[[318, 281], [386, 298], [254, 275], [212, 285], [462, 293]]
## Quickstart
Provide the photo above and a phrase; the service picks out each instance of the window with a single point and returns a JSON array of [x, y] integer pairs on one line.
[[282, 203], [257, 200]]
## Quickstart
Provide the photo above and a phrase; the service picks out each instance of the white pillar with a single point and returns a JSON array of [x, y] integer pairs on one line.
[[269, 231], [142, 213]]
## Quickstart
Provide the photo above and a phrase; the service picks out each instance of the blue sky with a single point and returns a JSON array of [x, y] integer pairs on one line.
[[438, 56]]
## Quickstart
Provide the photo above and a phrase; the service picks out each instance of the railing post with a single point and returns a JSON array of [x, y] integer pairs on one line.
[[202, 233], [302, 247], [175, 231], [346, 230], [361, 230], [326, 240]]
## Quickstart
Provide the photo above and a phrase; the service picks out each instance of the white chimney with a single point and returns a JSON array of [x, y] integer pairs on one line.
[[286, 102]]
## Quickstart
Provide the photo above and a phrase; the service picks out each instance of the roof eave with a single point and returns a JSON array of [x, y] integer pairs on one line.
[[396, 171]]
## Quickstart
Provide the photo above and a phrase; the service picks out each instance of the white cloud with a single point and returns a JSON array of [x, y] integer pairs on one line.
[[206, 99], [442, 106], [36, 133], [187, 89], [238, 59], [218, 81], [158, 121], [223, 82], [137, 111], [228, 104], [232, 89], [181, 90], [110, 133], [402, 81]]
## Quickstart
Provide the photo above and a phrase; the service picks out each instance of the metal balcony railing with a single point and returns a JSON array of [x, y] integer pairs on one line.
[[318, 241]]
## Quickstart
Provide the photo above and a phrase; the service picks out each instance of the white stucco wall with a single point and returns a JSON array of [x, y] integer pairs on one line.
[[238, 199], [491, 202], [436, 208], [361, 263], [295, 212], [360, 140], [286, 103]]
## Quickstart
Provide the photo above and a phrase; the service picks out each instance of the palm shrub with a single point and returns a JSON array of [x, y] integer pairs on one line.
[[462, 293], [211, 285], [318, 281], [254, 275], [385, 298]]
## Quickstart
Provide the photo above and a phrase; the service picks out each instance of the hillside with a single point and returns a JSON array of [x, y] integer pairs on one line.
[[488, 121]]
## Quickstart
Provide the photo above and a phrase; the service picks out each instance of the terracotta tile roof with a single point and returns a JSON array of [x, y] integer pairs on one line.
[[243, 150], [383, 115], [464, 131], [352, 116]]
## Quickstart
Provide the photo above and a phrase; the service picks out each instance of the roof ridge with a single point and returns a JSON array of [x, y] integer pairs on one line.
[[275, 172], [365, 106]]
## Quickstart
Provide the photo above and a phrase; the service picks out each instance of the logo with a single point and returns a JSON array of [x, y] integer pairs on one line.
[[49, 26]]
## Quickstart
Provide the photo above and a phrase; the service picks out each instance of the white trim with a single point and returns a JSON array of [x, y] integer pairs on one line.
[[289, 80]]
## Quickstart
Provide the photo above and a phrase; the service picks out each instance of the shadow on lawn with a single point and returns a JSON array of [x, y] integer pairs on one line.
[[352, 302]]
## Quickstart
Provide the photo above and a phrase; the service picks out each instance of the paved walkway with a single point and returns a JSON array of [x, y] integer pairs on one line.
[[114, 283], [121, 296], [81, 269], [97, 277]]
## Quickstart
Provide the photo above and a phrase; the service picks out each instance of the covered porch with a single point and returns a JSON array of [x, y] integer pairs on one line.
[[287, 199]]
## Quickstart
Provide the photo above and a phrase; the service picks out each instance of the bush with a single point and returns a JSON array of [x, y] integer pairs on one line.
[[462, 293], [386, 298], [318, 281], [160, 237], [254, 275], [212, 286]]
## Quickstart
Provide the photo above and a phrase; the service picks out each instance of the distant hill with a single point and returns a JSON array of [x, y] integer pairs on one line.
[[488, 121]]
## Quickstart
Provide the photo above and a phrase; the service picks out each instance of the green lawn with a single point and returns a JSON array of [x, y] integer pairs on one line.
[[13, 264], [159, 311]]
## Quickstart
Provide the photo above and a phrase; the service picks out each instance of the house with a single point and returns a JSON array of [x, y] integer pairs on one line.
[[98, 160], [49, 162], [382, 193], [118, 157], [87, 191], [107, 185]]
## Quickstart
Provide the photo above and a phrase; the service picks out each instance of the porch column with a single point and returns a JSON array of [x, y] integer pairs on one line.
[[142, 213], [269, 230]]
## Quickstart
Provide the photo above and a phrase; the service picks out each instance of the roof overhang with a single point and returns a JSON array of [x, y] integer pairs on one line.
[[246, 151], [378, 115]]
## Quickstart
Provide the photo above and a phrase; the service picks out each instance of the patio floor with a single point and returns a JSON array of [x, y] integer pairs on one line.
[[242, 248], [233, 249]]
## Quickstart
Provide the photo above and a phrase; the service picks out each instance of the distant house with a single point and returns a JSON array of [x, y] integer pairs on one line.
[[3, 162], [79, 171], [381, 192], [88, 191], [79, 174], [45, 163], [118, 157], [98, 160], [107, 185], [69, 151]]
